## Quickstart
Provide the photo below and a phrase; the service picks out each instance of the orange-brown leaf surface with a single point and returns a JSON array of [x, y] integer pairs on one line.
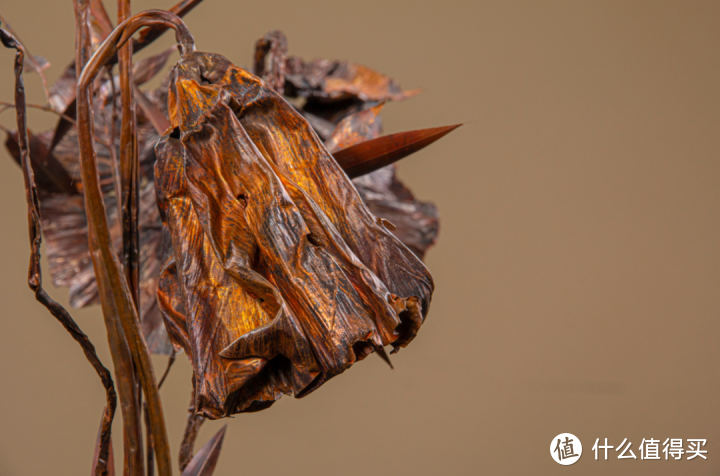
[[280, 277], [54, 154]]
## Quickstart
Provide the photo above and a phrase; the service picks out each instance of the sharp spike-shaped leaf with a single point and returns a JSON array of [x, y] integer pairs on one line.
[[374, 154], [203, 463]]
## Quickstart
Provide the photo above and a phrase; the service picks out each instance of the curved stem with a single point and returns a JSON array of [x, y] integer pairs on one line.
[[106, 260]]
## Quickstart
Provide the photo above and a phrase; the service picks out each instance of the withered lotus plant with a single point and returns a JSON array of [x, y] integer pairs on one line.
[[251, 220]]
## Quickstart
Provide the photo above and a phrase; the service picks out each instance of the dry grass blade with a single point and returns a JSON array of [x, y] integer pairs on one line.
[[203, 464], [35, 272], [374, 154]]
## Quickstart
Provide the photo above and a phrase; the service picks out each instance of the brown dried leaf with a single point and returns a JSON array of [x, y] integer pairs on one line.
[[356, 128], [270, 53], [37, 63], [103, 24], [280, 277], [416, 223], [51, 177], [154, 114], [147, 68], [338, 80], [204, 462], [62, 92]]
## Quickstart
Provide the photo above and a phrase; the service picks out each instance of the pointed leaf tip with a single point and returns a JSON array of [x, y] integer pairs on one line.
[[203, 463], [368, 156]]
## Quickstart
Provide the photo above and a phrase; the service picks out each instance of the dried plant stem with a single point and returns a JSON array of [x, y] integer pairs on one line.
[[150, 447], [192, 429], [35, 272], [7, 105], [105, 260], [126, 379], [30, 57], [129, 165], [117, 341], [129, 200]]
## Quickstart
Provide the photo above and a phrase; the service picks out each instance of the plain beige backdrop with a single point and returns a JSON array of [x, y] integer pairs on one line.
[[578, 268]]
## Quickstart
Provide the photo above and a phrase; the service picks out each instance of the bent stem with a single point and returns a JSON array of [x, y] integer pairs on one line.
[[105, 261], [35, 272]]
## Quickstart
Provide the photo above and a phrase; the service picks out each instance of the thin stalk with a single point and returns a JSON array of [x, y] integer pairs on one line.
[[35, 272], [129, 198], [129, 166], [117, 341], [106, 259], [150, 447], [7, 105], [112, 134]]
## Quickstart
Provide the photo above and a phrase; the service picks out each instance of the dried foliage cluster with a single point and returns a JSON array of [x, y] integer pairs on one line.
[[251, 220]]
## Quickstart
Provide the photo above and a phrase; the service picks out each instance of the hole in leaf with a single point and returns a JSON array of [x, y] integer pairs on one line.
[[314, 240]]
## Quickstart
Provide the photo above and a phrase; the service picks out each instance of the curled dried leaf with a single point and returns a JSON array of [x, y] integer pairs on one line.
[[280, 277]]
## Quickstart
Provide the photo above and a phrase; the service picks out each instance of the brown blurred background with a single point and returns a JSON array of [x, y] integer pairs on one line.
[[578, 267]]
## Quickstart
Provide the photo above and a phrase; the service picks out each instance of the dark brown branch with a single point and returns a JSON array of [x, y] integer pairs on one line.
[[35, 272]]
